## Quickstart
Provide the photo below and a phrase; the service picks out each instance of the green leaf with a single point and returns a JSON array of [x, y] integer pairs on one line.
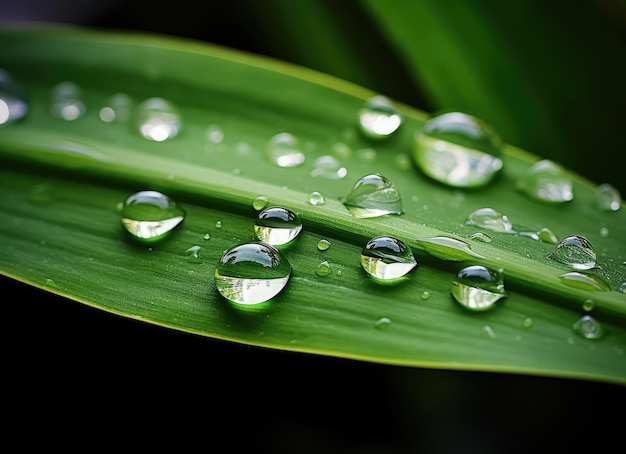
[[60, 230]]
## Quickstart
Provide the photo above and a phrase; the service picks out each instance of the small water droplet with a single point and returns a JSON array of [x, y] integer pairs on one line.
[[373, 196], [277, 226], [547, 236], [425, 295], [588, 327], [588, 305], [150, 215], [480, 237], [622, 287], [575, 251], [260, 202], [323, 269], [328, 167], [382, 323], [51, 283], [157, 119], [323, 244], [67, 101], [218, 224], [251, 273], [488, 330], [117, 109], [214, 134], [458, 150], [478, 288], [604, 232], [316, 198], [546, 181], [608, 198], [448, 248], [285, 150], [528, 322], [13, 106], [387, 258], [193, 253], [207, 236], [379, 118], [490, 219], [584, 281]]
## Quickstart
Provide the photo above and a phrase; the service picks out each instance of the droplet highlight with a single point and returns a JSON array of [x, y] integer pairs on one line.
[[150, 215], [387, 258], [547, 181], [373, 196], [285, 150], [379, 118], [478, 288], [277, 226], [118, 108], [13, 105], [575, 251], [458, 150], [157, 119], [251, 273]]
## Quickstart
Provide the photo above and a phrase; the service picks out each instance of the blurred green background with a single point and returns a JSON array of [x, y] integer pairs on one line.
[[549, 76]]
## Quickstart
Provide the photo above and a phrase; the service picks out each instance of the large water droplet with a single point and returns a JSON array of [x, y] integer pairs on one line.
[[277, 225], [328, 167], [478, 288], [488, 218], [458, 150], [608, 198], [150, 215], [13, 106], [584, 281], [285, 150], [373, 196], [386, 258], [67, 101], [157, 119], [548, 182], [575, 251], [588, 327], [117, 109], [251, 273], [379, 118]]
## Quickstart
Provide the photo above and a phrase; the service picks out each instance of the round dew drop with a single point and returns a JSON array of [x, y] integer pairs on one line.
[[150, 215], [277, 226], [373, 196], [260, 202], [67, 101], [575, 251], [157, 119], [378, 118], [387, 258], [588, 327], [323, 269], [547, 181], [490, 219], [316, 198], [478, 288], [285, 150], [251, 273], [608, 198]]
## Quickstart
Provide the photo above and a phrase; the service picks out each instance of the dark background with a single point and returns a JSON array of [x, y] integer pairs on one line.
[[114, 382]]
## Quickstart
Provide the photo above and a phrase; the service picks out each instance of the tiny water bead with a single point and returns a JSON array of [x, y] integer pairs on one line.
[[329, 167], [251, 273], [260, 202], [425, 295], [584, 281], [488, 218], [67, 101], [277, 226], [547, 236], [575, 251], [379, 118], [547, 181], [608, 198], [118, 108], [382, 323], [157, 119], [588, 327], [13, 106], [458, 150], [323, 244], [150, 215], [481, 237], [478, 288], [316, 198], [588, 305], [285, 150], [387, 258], [528, 322], [373, 196], [323, 269]]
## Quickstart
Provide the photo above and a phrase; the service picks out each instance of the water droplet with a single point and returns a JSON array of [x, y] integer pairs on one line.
[[373, 196], [157, 119], [622, 288], [277, 226], [447, 248], [285, 150], [588, 305], [528, 322], [218, 224], [214, 134], [386, 258], [323, 244], [604, 232], [608, 198], [379, 118], [193, 253], [458, 150], [207, 236], [329, 167], [546, 181], [488, 218], [323, 269], [382, 323], [251, 273], [117, 109], [316, 198], [584, 281], [425, 295], [575, 251], [488, 330], [478, 288], [547, 236], [588, 327], [13, 106], [67, 101], [481, 237], [150, 215], [260, 202]]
